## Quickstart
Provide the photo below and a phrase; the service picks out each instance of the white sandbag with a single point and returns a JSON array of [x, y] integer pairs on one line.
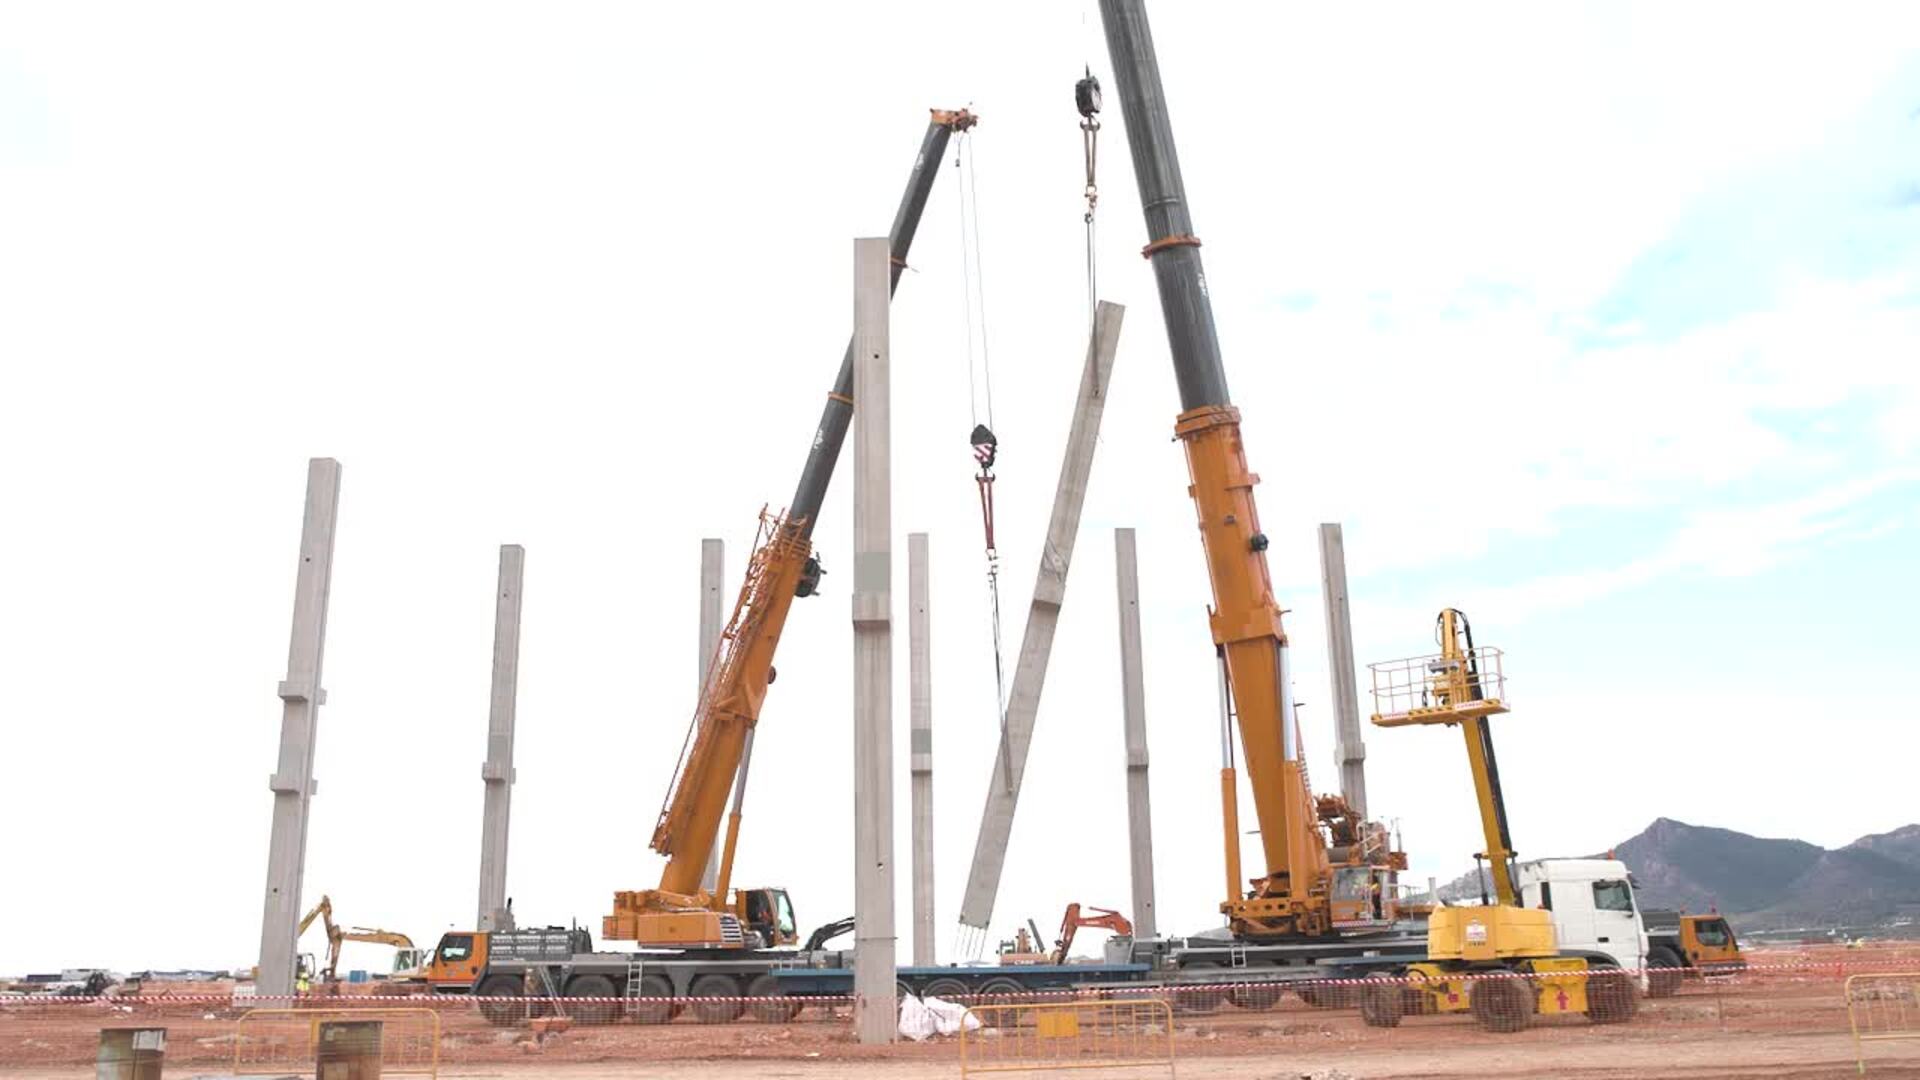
[[950, 1015], [917, 1022]]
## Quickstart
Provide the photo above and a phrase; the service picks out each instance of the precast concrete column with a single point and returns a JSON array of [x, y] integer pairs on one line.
[[1036, 643], [1133, 703], [874, 945], [920, 701], [497, 773], [1348, 747], [300, 697], [713, 566]]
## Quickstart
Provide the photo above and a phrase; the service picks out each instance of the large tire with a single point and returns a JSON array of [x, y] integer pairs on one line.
[[603, 1011], [1664, 972], [724, 987], [1002, 991], [1329, 996], [1382, 1005], [1502, 1004], [661, 1008], [1188, 1001], [770, 1005], [1610, 996], [502, 1013], [948, 990]]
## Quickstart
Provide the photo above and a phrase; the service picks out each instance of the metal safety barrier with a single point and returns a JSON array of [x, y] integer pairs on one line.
[[1087, 1034], [1882, 1008], [283, 1041]]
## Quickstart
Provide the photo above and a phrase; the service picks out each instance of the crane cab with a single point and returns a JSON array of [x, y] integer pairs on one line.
[[768, 913]]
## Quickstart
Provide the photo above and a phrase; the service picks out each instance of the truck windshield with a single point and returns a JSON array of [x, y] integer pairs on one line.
[[783, 915], [1711, 932], [456, 947], [1612, 896]]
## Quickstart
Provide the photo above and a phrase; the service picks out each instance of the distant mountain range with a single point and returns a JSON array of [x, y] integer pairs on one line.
[[1763, 883]]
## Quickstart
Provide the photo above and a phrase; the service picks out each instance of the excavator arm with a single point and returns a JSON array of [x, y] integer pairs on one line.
[[1289, 896], [782, 567], [1107, 919]]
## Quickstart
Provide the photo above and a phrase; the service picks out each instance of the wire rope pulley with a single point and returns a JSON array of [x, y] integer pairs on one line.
[[1086, 98]]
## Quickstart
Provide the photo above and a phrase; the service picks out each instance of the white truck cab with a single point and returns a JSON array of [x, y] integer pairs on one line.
[[1593, 907]]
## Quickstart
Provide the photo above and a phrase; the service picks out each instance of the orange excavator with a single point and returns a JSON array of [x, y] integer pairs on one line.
[[1107, 919], [678, 912]]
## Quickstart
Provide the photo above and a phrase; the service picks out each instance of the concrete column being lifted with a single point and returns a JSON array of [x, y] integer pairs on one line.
[[496, 773], [301, 697], [1133, 700], [920, 750], [1043, 615], [713, 568], [873, 934], [1348, 748]]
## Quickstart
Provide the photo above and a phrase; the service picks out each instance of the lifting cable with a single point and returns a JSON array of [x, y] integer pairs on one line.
[[986, 447], [1086, 97]]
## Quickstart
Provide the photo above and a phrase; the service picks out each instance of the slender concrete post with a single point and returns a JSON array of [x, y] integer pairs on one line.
[[873, 980], [301, 697], [1133, 699], [713, 565], [1348, 747], [497, 773], [1043, 615], [920, 699]]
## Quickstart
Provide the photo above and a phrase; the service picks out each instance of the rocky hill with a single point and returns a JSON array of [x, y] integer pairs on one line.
[[1766, 883]]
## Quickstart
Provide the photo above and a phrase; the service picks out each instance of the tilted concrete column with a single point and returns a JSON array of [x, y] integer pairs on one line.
[[1043, 615], [874, 1006], [301, 697], [1348, 747], [496, 773], [1133, 704], [920, 751], [713, 568]]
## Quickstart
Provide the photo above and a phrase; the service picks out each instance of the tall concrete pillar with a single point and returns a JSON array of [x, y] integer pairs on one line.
[[1133, 702], [920, 700], [874, 1008], [1348, 747], [713, 566], [300, 697], [496, 773], [1036, 644]]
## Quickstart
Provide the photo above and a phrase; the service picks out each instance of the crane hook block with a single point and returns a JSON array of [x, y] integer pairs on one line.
[[1086, 95], [985, 446], [810, 575]]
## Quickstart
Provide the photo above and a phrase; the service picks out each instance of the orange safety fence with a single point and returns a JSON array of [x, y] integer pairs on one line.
[[1797, 1001]]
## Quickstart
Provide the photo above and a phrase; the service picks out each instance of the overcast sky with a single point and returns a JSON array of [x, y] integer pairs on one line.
[[1598, 322]]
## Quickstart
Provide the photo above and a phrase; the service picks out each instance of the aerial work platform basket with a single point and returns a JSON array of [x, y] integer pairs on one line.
[[1439, 688]]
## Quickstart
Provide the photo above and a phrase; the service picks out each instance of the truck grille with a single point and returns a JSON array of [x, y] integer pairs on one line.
[[730, 935]]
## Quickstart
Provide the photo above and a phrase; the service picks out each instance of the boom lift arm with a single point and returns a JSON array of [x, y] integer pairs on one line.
[[1289, 896], [719, 742]]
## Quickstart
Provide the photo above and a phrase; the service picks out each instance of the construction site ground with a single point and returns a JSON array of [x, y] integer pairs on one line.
[[1783, 1023]]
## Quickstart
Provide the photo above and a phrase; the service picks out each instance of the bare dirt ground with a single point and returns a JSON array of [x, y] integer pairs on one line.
[[1790, 1024]]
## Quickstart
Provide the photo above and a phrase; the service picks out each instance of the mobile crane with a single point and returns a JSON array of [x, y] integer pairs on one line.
[[1499, 960], [1308, 889], [711, 944]]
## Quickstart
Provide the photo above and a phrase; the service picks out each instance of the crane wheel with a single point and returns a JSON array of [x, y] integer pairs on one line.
[[1193, 1001], [1502, 1004], [1663, 973], [947, 990], [780, 1010], [1383, 1005], [501, 1013], [715, 986], [602, 1011], [1611, 997], [1001, 992], [661, 1009]]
